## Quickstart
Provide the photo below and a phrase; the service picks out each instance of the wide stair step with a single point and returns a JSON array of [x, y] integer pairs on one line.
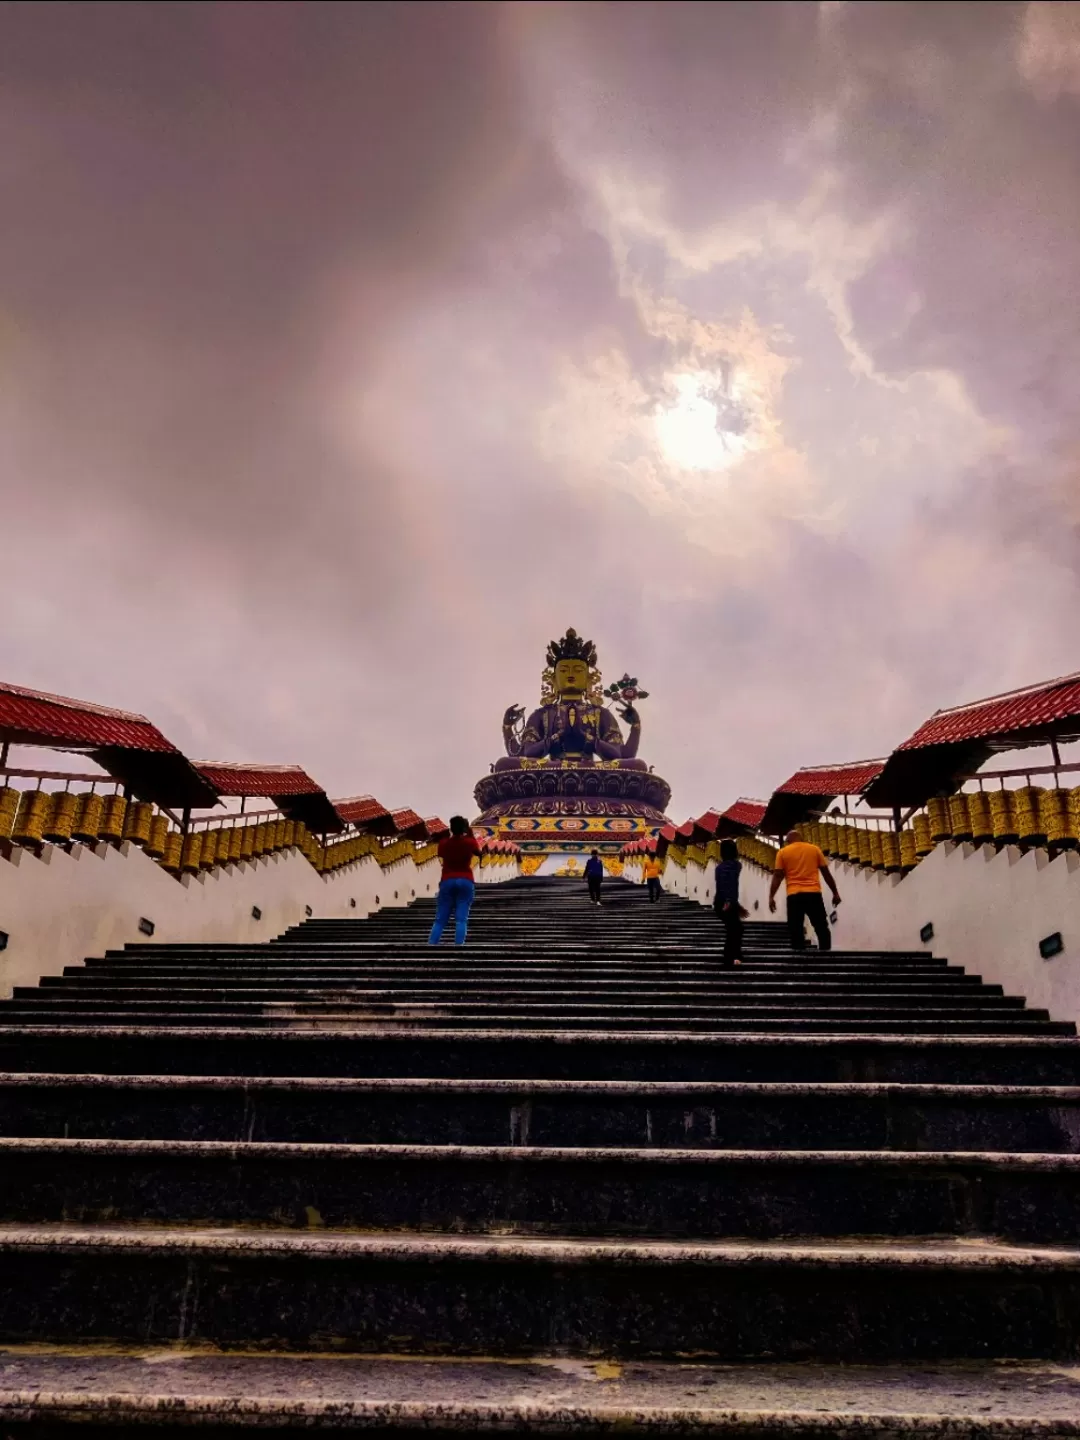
[[575, 1177]]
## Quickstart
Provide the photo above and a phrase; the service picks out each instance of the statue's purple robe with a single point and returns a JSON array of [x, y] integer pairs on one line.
[[573, 728]]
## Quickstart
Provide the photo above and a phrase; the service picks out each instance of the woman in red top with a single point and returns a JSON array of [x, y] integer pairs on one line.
[[456, 889]]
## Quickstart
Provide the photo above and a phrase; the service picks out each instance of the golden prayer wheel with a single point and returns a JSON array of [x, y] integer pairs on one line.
[[33, 812], [9, 808], [924, 840], [112, 819], [937, 808], [982, 823], [62, 810], [849, 845], [876, 859], [236, 840], [890, 850], [191, 851], [88, 817], [959, 817], [262, 843], [1026, 811], [909, 854], [137, 822], [170, 856], [1002, 816], [290, 833], [209, 851], [861, 854], [279, 835], [159, 834], [247, 841], [1055, 818], [1074, 811]]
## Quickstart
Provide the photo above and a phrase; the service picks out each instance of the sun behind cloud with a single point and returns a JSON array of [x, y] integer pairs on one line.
[[705, 425]]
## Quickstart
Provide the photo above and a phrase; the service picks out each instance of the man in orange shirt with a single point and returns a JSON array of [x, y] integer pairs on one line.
[[802, 865]]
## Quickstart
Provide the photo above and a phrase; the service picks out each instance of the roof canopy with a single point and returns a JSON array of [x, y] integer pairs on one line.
[[367, 814], [409, 825], [291, 789], [126, 746], [955, 742], [436, 828], [738, 819], [812, 789]]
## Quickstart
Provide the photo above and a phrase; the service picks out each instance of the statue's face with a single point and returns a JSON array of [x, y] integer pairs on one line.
[[571, 677]]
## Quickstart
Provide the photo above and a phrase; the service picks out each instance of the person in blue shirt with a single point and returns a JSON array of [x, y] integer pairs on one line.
[[726, 901], [594, 874]]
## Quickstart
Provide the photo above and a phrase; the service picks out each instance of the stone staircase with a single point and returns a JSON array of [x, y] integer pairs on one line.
[[572, 1177]]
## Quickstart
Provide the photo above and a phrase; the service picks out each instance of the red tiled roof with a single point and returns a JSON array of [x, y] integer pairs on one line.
[[851, 779], [1036, 707], [686, 829], [231, 778], [360, 808], [409, 824], [708, 822], [31, 717], [436, 828], [745, 812]]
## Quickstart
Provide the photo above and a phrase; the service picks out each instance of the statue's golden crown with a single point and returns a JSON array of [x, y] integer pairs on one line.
[[571, 647]]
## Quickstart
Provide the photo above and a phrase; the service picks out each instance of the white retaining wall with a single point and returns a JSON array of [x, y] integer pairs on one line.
[[63, 907]]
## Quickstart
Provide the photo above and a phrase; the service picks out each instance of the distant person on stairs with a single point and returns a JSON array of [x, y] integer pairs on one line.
[[801, 866], [726, 901], [456, 888], [594, 876], [653, 871]]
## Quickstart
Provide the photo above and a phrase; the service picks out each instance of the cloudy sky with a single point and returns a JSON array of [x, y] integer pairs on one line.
[[349, 352]]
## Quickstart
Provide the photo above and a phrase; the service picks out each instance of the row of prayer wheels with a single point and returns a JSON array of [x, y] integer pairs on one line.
[[344, 852], [32, 817], [228, 845], [874, 849], [1031, 817], [757, 852]]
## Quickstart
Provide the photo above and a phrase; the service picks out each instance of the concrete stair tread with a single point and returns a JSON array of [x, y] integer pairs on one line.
[[955, 1254], [166, 1387], [1069, 1043], [660, 1089], [1050, 1162]]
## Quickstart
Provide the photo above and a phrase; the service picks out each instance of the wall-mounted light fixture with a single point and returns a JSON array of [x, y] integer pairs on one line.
[[256, 913], [1051, 945], [926, 934], [146, 927]]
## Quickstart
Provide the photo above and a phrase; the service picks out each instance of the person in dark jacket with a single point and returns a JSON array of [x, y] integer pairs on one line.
[[594, 874], [726, 901]]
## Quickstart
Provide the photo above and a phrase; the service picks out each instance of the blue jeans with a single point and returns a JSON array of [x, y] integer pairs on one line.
[[455, 898]]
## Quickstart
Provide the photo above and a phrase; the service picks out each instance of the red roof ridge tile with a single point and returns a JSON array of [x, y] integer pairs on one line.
[[66, 702], [1035, 689]]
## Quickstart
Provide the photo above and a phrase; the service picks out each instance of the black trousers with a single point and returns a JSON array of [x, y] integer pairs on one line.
[[808, 905], [733, 933], [594, 887], [654, 889]]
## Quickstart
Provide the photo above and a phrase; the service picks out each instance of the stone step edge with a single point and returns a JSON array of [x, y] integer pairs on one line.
[[524, 1089], [1040, 1162], [184, 1384], [265, 1243], [163, 1409], [665, 1038]]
